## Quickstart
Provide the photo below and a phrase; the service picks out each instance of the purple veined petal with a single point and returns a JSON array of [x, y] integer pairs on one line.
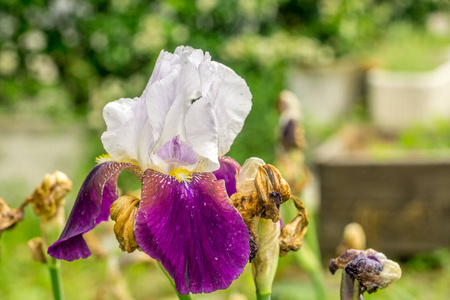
[[193, 229], [177, 151], [229, 168], [175, 154], [98, 192]]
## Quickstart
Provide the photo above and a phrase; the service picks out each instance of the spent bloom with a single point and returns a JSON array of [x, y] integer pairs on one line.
[[173, 137], [370, 268], [257, 190]]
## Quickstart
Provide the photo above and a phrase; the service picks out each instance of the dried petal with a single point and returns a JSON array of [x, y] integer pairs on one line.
[[37, 249], [371, 268], [123, 212], [250, 209], [272, 190], [50, 194], [8, 216], [291, 237]]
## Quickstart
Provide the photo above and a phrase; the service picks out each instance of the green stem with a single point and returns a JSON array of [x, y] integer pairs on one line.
[[263, 297], [181, 297], [350, 288], [356, 294], [55, 277]]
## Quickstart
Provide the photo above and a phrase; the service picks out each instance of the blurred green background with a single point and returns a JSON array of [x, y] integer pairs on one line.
[[61, 61]]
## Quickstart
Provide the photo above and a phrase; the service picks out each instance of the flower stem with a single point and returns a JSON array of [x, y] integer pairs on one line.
[[55, 277], [181, 297], [350, 288], [263, 297]]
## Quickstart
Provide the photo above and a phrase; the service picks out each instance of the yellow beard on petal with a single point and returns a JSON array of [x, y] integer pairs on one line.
[[103, 158], [181, 174]]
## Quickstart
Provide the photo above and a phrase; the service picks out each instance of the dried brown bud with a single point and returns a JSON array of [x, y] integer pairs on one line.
[[8, 216], [272, 189], [371, 268], [123, 212], [261, 191], [49, 195], [291, 237], [37, 249]]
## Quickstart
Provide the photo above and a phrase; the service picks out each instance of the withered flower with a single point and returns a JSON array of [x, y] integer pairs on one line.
[[369, 269], [261, 189], [9, 216], [36, 246], [123, 212], [49, 195]]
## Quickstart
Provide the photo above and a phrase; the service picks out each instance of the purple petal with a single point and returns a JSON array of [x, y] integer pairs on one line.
[[193, 229], [228, 170], [98, 192], [176, 151]]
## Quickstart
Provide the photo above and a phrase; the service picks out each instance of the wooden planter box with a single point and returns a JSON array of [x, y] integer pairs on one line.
[[402, 201]]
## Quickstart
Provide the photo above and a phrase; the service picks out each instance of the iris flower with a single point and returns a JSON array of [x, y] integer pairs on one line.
[[173, 138]]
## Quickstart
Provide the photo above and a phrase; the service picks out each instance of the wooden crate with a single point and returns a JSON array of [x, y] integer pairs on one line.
[[402, 201]]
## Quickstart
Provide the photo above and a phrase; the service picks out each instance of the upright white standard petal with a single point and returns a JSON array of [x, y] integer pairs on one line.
[[188, 115], [201, 132], [171, 96], [230, 98], [125, 139]]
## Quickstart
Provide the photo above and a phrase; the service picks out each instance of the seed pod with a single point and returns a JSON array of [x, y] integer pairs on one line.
[[123, 212]]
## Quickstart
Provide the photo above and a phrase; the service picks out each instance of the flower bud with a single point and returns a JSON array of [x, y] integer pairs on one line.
[[123, 212], [352, 238], [37, 249], [49, 195]]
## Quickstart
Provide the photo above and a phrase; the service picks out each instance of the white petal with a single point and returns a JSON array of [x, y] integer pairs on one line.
[[173, 105], [126, 120], [159, 98], [201, 132], [246, 179], [231, 100]]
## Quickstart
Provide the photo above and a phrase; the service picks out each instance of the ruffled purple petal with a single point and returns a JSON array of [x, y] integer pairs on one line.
[[98, 192], [228, 170], [193, 229]]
